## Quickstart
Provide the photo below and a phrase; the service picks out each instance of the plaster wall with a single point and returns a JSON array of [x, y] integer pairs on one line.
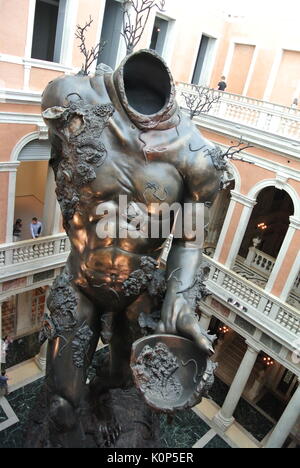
[[10, 135], [31, 179], [14, 17]]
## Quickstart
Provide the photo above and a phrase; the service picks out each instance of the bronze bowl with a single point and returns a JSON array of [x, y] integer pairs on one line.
[[169, 371]]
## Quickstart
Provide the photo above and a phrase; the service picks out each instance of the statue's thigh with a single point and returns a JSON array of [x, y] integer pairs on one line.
[[73, 339]]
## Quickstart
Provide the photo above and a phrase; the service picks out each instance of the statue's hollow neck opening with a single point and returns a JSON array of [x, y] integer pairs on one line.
[[146, 83]]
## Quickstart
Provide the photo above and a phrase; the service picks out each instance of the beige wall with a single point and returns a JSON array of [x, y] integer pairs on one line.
[[241, 61], [262, 67], [288, 78], [86, 9], [10, 135], [39, 78], [269, 37], [11, 75], [31, 179], [13, 30]]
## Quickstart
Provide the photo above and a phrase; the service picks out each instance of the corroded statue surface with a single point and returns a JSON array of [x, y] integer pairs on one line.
[[120, 134]]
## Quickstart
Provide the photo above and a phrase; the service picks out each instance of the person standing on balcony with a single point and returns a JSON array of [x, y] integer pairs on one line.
[[35, 228], [294, 103], [17, 230], [222, 84]]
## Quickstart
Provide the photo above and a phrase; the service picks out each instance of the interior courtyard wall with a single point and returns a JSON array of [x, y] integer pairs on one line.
[[14, 17], [31, 179], [12, 75], [10, 135], [84, 11], [270, 38], [40, 77]]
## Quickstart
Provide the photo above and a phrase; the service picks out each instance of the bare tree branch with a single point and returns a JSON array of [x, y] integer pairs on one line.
[[231, 151], [200, 100], [94, 53], [135, 17]]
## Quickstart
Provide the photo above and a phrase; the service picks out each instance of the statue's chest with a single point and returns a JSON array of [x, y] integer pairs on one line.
[[154, 182]]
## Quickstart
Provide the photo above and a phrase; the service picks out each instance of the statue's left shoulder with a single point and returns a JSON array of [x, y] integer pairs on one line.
[[201, 175]]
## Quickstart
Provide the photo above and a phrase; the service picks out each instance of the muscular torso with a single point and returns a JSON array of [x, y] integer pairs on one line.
[[111, 228], [103, 156]]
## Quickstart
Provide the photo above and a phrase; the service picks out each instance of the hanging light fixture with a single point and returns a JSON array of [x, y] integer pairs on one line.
[[267, 360]]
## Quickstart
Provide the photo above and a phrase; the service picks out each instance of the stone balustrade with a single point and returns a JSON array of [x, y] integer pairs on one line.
[[250, 300], [255, 113], [18, 253], [260, 261]]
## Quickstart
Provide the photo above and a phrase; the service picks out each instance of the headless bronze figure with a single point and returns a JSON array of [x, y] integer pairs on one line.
[[118, 133]]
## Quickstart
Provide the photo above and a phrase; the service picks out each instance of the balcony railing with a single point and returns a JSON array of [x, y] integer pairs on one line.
[[255, 113], [251, 300], [19, 253], [260, 260]]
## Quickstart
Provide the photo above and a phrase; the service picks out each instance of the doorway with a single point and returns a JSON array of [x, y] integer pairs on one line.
[[204, 62]]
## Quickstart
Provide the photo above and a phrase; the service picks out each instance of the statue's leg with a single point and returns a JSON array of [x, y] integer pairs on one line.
[[73, 330], [126, 330]]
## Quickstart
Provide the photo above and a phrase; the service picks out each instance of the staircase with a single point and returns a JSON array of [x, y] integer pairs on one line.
[[229, 359]]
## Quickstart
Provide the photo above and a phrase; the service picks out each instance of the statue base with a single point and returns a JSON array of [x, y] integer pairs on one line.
[[134, 424]]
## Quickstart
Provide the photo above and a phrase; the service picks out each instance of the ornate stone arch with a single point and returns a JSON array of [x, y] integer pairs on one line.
[[282, 186], [23, 142]]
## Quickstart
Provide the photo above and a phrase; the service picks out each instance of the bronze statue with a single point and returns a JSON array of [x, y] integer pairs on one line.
[[119, 133]]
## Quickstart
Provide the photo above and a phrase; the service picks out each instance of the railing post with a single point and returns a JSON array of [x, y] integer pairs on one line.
[[250, 256], [8, 257]]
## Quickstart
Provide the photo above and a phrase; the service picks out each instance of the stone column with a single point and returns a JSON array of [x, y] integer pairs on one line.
[[1, 319], [52, 213], [10, 168], [224, 229], [41, 358], [286, 422], [224, 418], [248, 204], [294, 225], [205, 320], [215, 217]]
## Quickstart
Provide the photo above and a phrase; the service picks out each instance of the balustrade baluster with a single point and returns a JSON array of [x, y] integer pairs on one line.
[[31, 252], [41, 250], [2, 258], [46, 249], [62, 246]]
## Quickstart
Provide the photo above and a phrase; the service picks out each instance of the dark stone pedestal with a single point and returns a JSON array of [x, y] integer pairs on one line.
[[136, 424]]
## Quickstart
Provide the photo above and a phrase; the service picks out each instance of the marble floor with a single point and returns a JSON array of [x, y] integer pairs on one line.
[[192, 428]]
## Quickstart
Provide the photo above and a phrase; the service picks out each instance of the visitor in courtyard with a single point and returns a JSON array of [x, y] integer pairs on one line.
[[17, 230], [222, 84], [3, 384], [4, 346], [294, 103], [35, 228]]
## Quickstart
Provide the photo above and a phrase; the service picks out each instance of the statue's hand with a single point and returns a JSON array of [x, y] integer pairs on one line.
[[178, 318]]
